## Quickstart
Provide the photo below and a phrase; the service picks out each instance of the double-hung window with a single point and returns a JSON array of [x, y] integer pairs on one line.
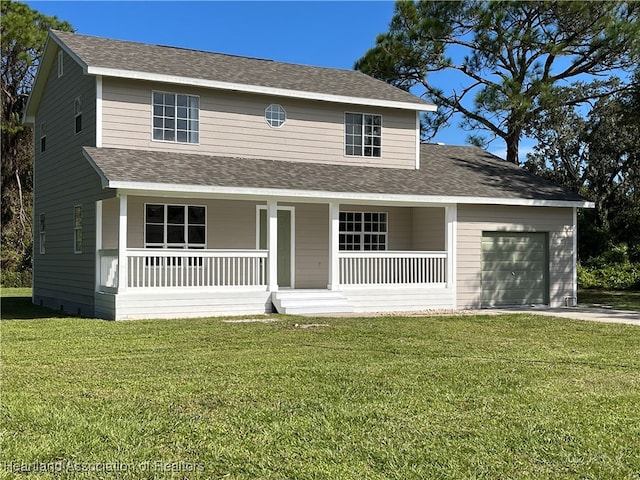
[[363, 231], [77, 114], [176, 117], [77, 229], [43, 137], [175, 226], [43, 234], [363, 134]]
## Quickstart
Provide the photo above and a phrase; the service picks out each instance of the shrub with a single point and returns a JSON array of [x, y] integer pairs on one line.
[[13, 279], [617, 276]]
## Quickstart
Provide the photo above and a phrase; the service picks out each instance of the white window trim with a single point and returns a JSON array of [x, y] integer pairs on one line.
[[60, 63], [268, 118], [176, 120], [43, 136], [344, 134], [165, 244], [77, 112], [77, 229], [42, 234], [362, 232]]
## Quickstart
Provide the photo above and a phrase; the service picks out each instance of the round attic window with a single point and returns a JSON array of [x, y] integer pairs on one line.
[[275, 115]]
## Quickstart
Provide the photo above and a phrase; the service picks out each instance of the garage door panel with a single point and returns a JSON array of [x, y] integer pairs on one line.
[[514, 268]]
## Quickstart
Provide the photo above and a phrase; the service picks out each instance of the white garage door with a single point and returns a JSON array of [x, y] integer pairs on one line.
[[515, 269]]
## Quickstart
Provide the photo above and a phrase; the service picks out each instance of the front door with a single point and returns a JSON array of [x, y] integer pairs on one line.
[[285, 243]]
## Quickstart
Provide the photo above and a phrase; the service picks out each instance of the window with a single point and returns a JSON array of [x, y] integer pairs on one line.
[[77, 229], [363, 134], [176, 117], [60, 63], [275, 115], [43, 137], [174, 226], [363, 231], [77, 110], [42, 234]]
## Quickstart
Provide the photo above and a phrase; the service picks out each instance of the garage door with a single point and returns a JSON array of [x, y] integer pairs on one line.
[[515, 269]]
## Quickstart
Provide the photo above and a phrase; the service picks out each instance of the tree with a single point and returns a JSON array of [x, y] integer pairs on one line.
[[598, 156], [513, 60], [23, 33]]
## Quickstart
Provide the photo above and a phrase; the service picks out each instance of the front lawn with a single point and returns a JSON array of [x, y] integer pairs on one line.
[[512, 396]]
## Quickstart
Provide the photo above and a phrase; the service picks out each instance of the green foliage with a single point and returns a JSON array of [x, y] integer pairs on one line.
[[23, 32], [610, 277], [486, 397], [612, 270], [13, 279], [513, 60], [598, 156]]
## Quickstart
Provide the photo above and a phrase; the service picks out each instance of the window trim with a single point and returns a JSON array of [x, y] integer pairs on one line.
[[43, 137], [363, 135], [77, 229], [271, 116], [42, 234], [77, 114], [60, 63], [362, 232], [175, 118], [165, 244]]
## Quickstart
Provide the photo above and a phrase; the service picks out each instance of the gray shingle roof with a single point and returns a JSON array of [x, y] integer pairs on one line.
[[449, 171], [139, 57]]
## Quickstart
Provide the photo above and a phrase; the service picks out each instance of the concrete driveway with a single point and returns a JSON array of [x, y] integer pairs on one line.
[[579, 313]]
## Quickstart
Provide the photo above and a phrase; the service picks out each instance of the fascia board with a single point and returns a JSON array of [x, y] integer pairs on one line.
[[280, 92], [323, 196]]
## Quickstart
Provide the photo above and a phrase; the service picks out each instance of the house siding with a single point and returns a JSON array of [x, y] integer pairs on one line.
[[233, 124], [62, 179], [475, 219]]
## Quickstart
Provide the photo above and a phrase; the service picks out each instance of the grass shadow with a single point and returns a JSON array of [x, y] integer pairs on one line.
[[21, 308]]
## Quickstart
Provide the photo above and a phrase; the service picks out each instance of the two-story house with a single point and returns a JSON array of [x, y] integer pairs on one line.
[[180, 183]]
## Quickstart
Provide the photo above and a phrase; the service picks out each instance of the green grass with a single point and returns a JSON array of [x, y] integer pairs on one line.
[[623, 300], [513, 396]]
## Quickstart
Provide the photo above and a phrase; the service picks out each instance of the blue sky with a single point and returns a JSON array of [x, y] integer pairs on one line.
[[329, 34]]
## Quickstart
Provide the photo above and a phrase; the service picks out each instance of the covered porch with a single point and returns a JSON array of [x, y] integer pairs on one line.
[[248, 255]]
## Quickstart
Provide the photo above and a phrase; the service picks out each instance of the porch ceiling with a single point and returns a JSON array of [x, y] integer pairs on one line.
[[461, 174]]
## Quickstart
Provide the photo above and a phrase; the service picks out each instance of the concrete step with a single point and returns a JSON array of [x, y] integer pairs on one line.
[[298, 302]]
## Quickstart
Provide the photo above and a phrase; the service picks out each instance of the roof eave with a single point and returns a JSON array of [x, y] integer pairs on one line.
[[324, 196], [280, 92]]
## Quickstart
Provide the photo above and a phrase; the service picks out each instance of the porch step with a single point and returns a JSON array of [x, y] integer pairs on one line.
[[299, 302]]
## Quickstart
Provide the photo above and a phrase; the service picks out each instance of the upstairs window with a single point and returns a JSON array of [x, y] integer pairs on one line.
[[60, 63], [363, 231], [363, 134], [176, 118], [77, 110], [43, 137], [175, 226], [275, 115], [77, 229]]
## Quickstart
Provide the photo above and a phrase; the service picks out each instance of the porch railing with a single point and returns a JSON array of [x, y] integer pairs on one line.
[[392, 268], [157, 268]]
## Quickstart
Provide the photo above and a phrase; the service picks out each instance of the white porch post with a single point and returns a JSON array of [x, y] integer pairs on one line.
[[334, 246], [122, 245], [272, 244], [98, 242], [451, 214]]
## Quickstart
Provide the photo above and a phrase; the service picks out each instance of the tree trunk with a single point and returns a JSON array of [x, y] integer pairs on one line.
[[512, 140]]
